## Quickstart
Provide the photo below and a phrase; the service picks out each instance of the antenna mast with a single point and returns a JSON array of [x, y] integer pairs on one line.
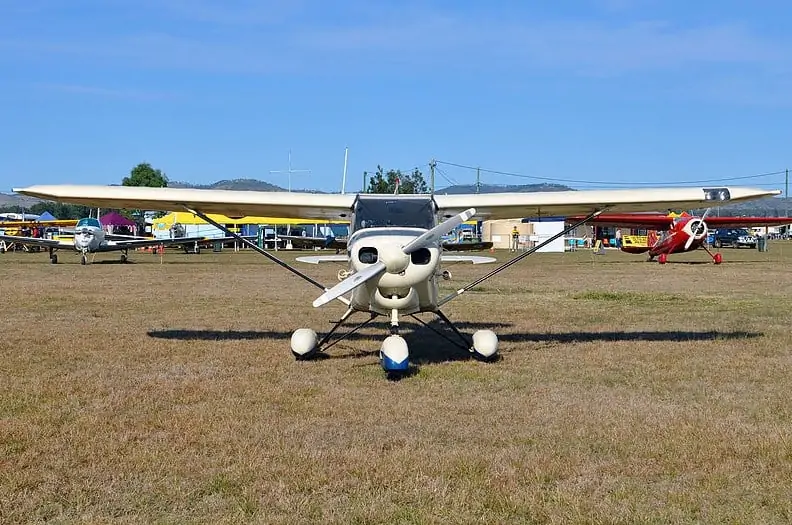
[[290, 170], [343, 179]]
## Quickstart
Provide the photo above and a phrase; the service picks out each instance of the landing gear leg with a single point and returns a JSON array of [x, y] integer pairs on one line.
[[305, 344], [124, 256], [485, 342], [717, 258], [394, 354]]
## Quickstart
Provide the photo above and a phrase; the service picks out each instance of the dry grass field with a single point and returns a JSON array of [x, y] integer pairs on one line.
[[627, 392]]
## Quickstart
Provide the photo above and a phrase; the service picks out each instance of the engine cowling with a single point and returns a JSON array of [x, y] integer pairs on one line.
[[697, 229]]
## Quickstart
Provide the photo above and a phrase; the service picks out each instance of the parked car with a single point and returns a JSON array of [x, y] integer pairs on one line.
[[735, 237]]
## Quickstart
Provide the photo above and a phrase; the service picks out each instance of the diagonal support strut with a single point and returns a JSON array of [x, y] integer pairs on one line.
[[262, 251], [517, 259]]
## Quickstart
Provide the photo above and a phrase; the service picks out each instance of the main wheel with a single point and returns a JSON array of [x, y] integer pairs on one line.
[[123, 258], [54, 259], [717, 243], [303, 343], [485, 345], [718, 258], [662, 259], [83, 260]]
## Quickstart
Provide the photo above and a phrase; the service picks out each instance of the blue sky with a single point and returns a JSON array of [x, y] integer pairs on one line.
[[605, 91]]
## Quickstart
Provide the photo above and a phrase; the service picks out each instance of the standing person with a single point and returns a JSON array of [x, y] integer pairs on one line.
[[618, 237], [515, 239]]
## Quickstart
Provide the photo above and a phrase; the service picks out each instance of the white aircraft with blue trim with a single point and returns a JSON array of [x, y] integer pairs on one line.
[[395, 241], [90, 237]]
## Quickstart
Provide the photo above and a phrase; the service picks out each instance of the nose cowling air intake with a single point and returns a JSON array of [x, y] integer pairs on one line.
[[392, 258]]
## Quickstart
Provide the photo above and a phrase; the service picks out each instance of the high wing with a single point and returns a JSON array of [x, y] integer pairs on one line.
[[320, 242], [141, 243], [338, 206], [36, 241], [40, 224], [232, 203], [565, 203], [746, 222], [649, 221], [652, 221]]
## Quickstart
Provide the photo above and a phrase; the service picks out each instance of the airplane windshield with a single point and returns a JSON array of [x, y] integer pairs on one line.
[[382, 211], [88, 223]]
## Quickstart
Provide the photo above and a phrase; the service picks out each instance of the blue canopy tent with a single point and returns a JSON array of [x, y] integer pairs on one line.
[[46, 216]]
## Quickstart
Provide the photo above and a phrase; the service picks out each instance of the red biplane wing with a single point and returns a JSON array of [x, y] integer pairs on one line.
[[649, 221], [746, 222]]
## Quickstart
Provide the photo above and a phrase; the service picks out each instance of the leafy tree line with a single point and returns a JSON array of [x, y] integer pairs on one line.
[[385, 182]]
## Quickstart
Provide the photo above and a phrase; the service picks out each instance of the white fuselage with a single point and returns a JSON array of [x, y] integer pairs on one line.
[[409, 288], [88, 238]]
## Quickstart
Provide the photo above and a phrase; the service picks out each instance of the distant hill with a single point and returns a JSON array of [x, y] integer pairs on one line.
[[498, 188], [768, 207], [7, 200], [234, 184]]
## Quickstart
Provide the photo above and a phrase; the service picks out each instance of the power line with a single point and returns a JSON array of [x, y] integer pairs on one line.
[[447, 178], [604, 183]]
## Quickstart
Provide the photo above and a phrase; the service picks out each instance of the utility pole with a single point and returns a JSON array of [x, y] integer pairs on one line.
[[432, 164], [290, 170], [478, 179], [786, 193], [365, 176]]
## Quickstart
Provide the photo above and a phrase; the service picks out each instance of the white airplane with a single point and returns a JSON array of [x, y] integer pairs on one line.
[[394, 243], [89, 237]]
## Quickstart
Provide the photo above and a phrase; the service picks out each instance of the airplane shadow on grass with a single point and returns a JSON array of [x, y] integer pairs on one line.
[[428, 347]]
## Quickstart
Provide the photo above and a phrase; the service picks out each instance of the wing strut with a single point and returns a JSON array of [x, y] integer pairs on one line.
[[262, 251], [520, 257]]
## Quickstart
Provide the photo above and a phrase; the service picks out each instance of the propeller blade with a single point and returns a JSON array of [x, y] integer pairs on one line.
[[694, 232], [350, 283], [434, 235]]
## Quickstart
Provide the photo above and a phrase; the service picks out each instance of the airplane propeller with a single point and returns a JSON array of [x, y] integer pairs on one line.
[[701, 226], [392, 258]]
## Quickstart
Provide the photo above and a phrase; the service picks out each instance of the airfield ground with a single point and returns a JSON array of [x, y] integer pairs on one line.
[[628, 392]]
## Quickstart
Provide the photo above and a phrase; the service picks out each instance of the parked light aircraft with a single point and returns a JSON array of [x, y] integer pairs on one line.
[[394, 241], [89, 237], [685, 232]]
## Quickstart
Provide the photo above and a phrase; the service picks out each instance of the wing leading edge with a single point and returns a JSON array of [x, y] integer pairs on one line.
[[232, 203], [565, 203], [336, 206]]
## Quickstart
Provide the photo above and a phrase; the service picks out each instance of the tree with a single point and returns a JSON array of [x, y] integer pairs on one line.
[[382, 182], [144, 175]]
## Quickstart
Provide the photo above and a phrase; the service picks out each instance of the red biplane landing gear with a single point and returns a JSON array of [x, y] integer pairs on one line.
[[662, 258], [717, 258]]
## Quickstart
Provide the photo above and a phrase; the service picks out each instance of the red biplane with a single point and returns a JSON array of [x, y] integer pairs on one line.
[[678, 233]]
